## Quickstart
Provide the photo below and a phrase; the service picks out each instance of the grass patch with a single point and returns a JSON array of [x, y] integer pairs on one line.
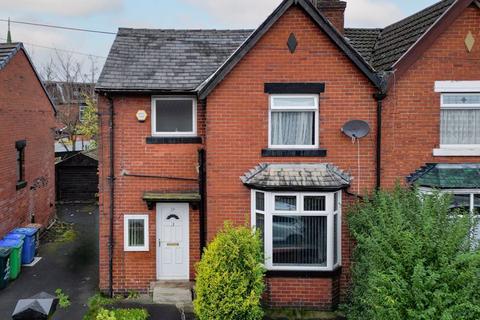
[[297, 313]]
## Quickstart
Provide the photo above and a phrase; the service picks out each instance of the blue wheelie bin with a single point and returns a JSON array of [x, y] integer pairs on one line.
[[17, 236], [28, 252]]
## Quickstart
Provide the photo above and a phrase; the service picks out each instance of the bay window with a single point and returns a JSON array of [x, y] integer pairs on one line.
[[301, 231], [293, 121]]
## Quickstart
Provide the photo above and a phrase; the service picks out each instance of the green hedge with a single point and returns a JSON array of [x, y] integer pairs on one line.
[[413, 259], [229, 282]]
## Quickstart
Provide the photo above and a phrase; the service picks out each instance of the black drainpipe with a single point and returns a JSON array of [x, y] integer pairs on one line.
[[202, 179], [379, 96], [112, 194]]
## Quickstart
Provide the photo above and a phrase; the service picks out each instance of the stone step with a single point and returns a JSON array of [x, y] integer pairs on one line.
[[172, 292]]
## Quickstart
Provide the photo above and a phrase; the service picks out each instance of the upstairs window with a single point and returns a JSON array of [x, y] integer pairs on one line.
[[174, 116], [293, 121], [81, 111], [460, 119], [20, 163]]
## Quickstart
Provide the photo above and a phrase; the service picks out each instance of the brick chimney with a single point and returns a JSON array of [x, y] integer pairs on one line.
[[334, 10]]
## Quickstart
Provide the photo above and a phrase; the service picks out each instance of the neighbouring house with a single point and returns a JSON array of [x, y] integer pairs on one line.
[[69, 98], [27, 160], [199, 127], [76, 177]]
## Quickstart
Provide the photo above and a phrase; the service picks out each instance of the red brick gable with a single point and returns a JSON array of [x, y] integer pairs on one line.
[[25, 114], [237, 125], [412, 109]]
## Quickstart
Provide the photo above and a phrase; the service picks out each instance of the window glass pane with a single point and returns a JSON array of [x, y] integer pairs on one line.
[[294, 102], [260, 226], [460, 126], [19, 165], [461, 201], [462, 99], [314, 203], [299, 240], [136, 232], [293, 128], [285, 203], [174, 115], [260, 201], [335, 238], [335, 201]]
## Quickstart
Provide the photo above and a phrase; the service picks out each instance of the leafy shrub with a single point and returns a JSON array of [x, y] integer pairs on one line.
[[122, 314], [63, 299], [230, 277], [413, 259]]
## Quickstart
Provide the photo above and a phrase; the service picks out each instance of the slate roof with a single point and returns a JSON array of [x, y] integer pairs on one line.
[[171, 60], [7, 51], [447, 176], [397, 38], [183, 60], [296, 176]]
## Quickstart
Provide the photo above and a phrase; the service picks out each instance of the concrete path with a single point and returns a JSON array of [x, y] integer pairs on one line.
[[71, 266]]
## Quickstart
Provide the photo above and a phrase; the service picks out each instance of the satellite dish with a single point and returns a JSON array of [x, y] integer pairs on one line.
[[356, 129]]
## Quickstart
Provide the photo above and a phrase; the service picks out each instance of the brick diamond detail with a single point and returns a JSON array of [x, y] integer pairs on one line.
[[292, 43], [469, 41]]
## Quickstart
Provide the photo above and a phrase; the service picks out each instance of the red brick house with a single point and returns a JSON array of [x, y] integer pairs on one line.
[[27, 160], [200, 127]]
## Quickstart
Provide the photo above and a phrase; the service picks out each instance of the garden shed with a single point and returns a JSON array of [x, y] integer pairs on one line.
[[77, 177]]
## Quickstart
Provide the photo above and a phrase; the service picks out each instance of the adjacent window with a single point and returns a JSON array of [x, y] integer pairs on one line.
[[136, 232], [460, 119], [81, 111], [301, 231], [468, 202], [20, 163], [174, 116], [293, 121]]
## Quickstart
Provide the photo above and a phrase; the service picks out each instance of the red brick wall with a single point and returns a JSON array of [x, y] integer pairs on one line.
[[25, 114], [412, 110], [237, 129], [135, 270]]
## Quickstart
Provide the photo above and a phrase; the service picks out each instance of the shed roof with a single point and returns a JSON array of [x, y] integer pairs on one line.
[[296, 177], [447, 176]]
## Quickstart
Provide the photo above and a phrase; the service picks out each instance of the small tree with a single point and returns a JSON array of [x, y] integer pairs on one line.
[[413, 259], [230, 277], [89, 126]]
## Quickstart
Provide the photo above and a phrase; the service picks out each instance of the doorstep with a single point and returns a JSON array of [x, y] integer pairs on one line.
[[178, 293]]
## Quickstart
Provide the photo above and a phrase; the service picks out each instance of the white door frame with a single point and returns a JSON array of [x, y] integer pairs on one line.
[[186, 233]]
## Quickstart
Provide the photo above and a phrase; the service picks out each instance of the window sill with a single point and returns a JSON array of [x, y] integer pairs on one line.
[[303, 274], [457, 151], [174, 140], [21, 185], [294, 153]]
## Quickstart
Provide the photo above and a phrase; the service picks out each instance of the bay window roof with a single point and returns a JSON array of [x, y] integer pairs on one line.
[[296, 177], [447, 176]]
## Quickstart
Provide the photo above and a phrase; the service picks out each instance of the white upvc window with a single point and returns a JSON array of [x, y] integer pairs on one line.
[[459, 118], [293, 121], [136, 232], [81, 111], [467, 200], [300, 231], [174, 116]]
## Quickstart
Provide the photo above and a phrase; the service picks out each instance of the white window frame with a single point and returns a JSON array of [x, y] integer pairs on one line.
[[273, 108], [270, 211], [471, 192], [81, 110], [126, 245], [457, 87], [192, 133]]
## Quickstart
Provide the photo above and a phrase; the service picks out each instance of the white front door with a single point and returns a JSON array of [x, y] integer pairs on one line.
[[172, 241]]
